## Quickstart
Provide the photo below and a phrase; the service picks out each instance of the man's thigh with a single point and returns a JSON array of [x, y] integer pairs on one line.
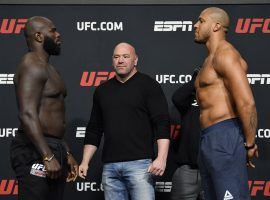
[[113, 185], [139, 182], [186, 183]]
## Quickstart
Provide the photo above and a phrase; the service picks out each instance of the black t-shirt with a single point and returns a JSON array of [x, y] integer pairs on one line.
[[187, 146], [131, 115]]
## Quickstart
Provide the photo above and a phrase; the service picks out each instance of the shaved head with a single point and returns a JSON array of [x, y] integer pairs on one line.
[[36, 24], [127, 46], [218, 15]]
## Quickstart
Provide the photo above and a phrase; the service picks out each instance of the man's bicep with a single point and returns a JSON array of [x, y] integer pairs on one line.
[[235, 79], [30, 84]]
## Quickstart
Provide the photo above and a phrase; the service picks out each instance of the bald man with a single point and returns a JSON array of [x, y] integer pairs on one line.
[[131, 110], [228, 114], [39, 156]]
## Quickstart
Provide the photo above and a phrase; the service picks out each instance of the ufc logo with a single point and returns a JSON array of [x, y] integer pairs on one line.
[[249, 25], [6, 79], [10, 26], [175, 131], [259, 187], [95, 78], [8, 187]]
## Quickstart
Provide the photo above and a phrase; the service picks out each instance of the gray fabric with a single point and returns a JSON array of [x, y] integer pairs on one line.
[[186, 184]]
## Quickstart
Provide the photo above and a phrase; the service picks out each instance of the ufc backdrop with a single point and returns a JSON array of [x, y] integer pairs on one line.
[[164, 39]]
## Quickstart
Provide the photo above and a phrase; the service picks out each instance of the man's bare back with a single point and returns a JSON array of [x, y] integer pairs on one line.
[[216, 101]]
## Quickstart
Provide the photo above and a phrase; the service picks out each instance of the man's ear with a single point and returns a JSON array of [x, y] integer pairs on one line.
[[39, 37]]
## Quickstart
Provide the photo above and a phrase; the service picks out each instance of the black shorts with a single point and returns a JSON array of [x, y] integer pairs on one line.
[[29, 169]]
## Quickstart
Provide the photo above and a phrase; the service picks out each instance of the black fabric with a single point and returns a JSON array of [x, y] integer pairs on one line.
[[132, 115], [24, 156], [186, 147]]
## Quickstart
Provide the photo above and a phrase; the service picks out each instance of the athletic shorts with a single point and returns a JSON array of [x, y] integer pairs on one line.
[[222, 162], [30, 171]]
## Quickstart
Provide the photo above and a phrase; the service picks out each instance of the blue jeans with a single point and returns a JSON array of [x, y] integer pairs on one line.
[[123, 179]]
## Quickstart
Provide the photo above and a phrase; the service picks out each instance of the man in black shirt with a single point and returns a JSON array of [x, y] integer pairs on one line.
[[186, 180], [131, 110]]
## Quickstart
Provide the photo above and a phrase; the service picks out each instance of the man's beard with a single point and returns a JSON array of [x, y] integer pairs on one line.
[[51, 47]]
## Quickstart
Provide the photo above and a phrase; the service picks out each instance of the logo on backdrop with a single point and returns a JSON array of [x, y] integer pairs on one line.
[[100, 26], [8, 132], [97, 187], [167, 26], [173, 78], [163, 186], [89, 186], [95, 78], [8, 187], [253, 25], [175, 131], [262, 79], [259, 188], [263, 133], [6, 79], [12, 26]]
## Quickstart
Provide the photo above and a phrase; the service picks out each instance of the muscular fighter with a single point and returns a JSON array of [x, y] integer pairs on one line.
[[228, 114], [40, 158]]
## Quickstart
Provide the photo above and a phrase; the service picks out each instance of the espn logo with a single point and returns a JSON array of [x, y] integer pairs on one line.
[[250, 25], [8, 187], [80, 132], [258, 79], [167, 26], [163, 186], [12, 26], [174, 130], [6, 79], [95, 78], [259, 188]]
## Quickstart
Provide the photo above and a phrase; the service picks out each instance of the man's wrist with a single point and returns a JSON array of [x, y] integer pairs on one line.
[[249, 146], [48, 158]]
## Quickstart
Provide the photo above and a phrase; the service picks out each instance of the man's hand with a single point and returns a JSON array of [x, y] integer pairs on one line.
[[250, 154], [73, 168], [53, 168], [157, 167], [83, 168]]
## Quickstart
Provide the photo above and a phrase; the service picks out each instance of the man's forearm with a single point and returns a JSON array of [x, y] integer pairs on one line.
[[248, 116], [32, 129], [163, 148], [88, 152]]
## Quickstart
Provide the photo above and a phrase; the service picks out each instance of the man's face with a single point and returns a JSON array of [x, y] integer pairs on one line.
[[124, 59], [203, 27], [52, 44]]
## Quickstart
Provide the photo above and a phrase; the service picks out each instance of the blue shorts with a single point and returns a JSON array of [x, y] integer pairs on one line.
[[222, 162]]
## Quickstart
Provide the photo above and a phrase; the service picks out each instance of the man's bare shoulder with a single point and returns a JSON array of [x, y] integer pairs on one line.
[[227, 57], [31, 66], [30, 62]]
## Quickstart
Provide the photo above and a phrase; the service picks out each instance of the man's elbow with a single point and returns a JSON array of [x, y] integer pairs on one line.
[[27, 115]]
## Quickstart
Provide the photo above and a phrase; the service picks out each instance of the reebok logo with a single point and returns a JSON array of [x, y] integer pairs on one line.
[[228, 195]]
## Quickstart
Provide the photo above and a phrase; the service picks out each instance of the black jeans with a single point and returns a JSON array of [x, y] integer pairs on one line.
[[29, 169]]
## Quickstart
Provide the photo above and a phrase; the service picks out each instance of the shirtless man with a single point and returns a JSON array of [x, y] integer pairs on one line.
[[40, 158], [228, 114]]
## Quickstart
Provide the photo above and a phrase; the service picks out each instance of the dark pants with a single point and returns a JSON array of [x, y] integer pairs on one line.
[[223, 162], [186, 184], [30, 171]]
